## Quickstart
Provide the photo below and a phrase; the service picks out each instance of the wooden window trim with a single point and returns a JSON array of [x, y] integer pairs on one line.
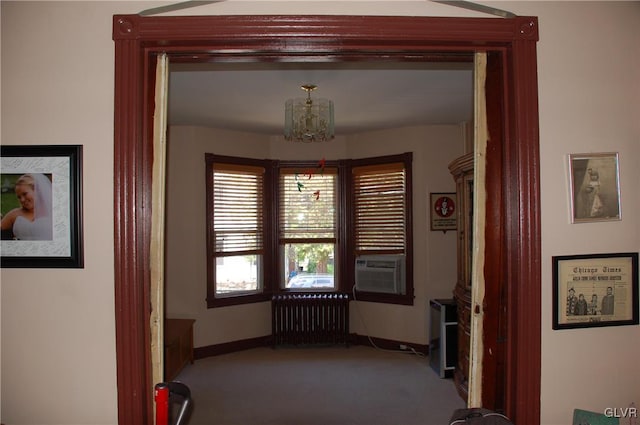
[[219, 162], [376, 164], [344, 240]]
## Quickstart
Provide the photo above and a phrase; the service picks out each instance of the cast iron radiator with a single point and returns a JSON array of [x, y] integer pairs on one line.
[[318, 318]]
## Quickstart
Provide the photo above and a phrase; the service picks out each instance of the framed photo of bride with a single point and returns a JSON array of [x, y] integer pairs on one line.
[[41, 206], [595, 187]]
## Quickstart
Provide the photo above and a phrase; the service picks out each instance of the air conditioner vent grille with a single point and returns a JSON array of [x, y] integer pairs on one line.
[[380, 273]]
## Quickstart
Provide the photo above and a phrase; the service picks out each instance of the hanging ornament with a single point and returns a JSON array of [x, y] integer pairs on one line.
[[308, 172], [321, 165]]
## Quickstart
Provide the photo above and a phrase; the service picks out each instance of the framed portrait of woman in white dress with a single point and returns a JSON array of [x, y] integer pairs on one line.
[[41, 206], [595, 187]]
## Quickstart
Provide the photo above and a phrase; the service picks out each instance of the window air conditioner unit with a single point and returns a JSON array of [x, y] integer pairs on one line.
[[381, 273]]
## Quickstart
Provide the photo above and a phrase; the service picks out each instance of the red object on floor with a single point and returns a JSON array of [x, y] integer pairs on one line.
[[162, 403]]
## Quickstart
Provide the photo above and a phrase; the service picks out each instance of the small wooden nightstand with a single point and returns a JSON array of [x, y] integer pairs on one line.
[[178, 346]]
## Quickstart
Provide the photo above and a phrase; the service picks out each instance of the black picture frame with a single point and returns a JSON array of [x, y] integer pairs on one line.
[[62, 247], [608, 284]]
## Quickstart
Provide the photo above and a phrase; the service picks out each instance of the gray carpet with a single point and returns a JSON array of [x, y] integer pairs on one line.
[[318, 386]]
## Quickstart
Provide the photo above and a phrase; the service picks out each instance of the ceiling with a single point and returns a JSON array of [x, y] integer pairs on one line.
[[366, 95]]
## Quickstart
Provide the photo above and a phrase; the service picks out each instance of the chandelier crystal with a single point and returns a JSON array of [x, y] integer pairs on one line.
[[307, 120]]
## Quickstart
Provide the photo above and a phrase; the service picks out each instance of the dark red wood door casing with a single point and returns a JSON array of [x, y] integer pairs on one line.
[[329, 38]]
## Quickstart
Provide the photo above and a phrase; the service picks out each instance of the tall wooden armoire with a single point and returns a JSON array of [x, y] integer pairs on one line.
[[462, 171]]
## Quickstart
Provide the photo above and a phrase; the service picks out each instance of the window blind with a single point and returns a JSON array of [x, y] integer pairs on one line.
[[307, 204], [379, 208], [238, 209]]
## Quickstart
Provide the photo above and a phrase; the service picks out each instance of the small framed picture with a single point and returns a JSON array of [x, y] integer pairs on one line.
[[595, 188], [443, 211], [595, 290], [41, 206]]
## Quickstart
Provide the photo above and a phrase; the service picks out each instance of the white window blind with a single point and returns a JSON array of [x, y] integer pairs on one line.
[[238, 209], [307, 205], [379, 208]]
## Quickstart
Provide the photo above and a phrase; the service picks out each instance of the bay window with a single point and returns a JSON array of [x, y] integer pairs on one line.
[[299, 226]]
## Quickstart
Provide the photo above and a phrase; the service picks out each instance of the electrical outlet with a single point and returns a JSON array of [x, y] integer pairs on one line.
[[403, 347]]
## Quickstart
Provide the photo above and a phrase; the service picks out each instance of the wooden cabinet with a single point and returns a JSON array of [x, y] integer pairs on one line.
[[178, 346], [462, 171]]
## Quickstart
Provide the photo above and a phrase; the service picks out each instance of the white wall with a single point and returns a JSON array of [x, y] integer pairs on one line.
[[589, 95], [433, 148], [58, 336], [58, 343], [186, 266], [435, 262]]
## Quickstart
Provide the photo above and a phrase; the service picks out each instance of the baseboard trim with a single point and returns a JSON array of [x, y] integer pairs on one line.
[[231, 347], [388, 344], [266, 341]]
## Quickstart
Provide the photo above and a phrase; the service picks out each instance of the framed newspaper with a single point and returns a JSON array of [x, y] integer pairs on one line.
[[595, 290]]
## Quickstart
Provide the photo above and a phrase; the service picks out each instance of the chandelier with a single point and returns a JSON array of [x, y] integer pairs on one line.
[[307, 120]]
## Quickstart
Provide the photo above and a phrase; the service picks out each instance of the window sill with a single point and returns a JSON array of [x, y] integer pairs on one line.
[[359, 296], [237, 300]]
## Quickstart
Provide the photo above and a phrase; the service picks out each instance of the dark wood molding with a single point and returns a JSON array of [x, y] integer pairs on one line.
[[188, 33], [522, 242], [527, 28], [266, 341], [331, 38], [231, 347], [131, 256], [494, 332]]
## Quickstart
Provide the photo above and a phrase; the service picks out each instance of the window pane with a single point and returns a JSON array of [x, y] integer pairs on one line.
[[309, 265], [307, 204], [237, 274]]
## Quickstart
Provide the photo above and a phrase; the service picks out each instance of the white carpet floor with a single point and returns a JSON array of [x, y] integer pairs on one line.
[[318, 386]]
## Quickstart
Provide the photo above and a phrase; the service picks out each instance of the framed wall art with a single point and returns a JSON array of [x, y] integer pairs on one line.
[[443, 211], [595, 188], [595, 290], [41, 206]]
